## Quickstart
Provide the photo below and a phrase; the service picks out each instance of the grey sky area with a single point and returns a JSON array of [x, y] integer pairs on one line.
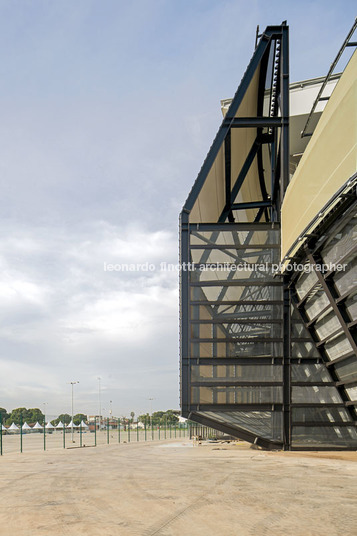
[[108, 109]]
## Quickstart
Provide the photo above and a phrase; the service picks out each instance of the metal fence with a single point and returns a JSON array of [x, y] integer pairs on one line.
[[100, 432]]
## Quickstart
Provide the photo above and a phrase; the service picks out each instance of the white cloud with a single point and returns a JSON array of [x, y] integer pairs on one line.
[[63, 313]]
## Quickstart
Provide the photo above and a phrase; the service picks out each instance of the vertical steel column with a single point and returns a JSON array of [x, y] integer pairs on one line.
[[284, 106], [0, 434], [119, 430], [227, 161], [287, 367], [284, 181], [95, 431], [184, 289]]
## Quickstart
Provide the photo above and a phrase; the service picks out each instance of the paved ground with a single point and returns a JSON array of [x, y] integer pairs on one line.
[[35, 441], [172, 488]]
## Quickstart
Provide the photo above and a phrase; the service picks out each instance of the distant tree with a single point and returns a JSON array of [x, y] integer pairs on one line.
[[171, 416], [156, 417], [4, 415], [15, 416], [132, 415], [160, 417], [19, 415], [77, 419], [64, 418], [144, 418], [34, 415]]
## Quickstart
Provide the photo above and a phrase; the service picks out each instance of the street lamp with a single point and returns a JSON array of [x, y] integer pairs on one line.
[[72, 383]]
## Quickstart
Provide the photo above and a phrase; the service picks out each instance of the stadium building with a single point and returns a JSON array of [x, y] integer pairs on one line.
[[268, 245]]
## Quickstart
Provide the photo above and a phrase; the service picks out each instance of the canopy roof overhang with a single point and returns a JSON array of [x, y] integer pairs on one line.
[[246, 168]]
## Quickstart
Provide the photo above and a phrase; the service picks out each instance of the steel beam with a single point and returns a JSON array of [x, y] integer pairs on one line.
[[247, 226], [214, 382], [253, 204], [254, 122], [238, 406]]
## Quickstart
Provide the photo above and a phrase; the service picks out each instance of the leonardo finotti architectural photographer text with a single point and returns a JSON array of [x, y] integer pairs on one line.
[[222, 267]]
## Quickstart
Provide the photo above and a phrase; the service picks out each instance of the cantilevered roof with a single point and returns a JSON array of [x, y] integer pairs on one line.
[[233, 171]]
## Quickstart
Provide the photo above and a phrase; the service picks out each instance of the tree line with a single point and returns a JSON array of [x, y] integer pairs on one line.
[[33, 415], [160, 417]]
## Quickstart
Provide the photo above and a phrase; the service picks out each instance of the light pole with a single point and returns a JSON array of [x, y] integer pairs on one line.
[[100, 401], [72, 383]]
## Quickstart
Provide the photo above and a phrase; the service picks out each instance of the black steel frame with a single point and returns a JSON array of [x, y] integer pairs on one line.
[[271, 55], [272, 58]]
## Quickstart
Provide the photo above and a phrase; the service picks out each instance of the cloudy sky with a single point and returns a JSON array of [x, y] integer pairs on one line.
[[108, 109]]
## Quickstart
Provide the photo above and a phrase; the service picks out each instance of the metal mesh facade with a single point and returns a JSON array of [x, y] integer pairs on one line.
[[267, 355], [325, 304]]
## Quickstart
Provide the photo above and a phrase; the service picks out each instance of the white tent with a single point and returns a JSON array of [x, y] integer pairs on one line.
[[59, 425], [72, 424], [3, 427], [83, 425], [13, 427], [25, 426], [37, 426], [49, 426]]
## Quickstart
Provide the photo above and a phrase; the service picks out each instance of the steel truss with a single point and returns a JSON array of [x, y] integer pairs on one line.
[[245, 362]]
